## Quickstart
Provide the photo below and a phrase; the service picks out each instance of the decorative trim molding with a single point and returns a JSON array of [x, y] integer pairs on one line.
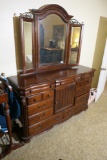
[[74, 21], [25, 15]]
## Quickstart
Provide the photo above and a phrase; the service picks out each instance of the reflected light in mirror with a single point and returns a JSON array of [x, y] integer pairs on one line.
[[76, 41]]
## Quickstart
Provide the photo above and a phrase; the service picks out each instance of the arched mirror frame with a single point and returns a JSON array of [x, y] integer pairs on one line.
[[41, 14], [34, 18]]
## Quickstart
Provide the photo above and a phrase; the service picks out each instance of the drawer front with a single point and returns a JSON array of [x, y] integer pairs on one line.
[[65, 82], [40, 117], [41, 106], [40, 127], [75, 109], [48, 94], [82, 90], [78, 108], [34, 99], [83, 83], [37, 89], [57, 118], [82, 98], [68, 113]]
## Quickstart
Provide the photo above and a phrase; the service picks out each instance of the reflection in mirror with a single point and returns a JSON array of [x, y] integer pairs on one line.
[[28, 44], [74, 44], [52, 40]]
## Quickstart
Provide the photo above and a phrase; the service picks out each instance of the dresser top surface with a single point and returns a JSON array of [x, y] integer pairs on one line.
[[49, 76]]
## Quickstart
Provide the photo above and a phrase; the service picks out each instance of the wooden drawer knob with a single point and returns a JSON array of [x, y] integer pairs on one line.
[[48, 95], [34, 100]]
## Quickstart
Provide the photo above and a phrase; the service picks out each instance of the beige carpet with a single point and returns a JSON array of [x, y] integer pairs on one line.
[[83, 137]]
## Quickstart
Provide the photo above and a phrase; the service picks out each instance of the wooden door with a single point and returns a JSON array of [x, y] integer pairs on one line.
[[64, 97]]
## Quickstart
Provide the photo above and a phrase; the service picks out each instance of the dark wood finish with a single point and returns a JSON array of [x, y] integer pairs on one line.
[[3, 98], [35, 16], [57, 118], [11, 146], [39, 107], [40, 127], [59, 95], [40, 116], [82, 98], [49, 92], [34, 99], [64, 97]]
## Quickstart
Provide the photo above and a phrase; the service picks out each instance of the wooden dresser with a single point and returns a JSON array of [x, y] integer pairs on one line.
[[51, 97], [50, 84]]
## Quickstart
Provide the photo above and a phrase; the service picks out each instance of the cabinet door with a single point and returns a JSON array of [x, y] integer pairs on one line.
[[64, 97]]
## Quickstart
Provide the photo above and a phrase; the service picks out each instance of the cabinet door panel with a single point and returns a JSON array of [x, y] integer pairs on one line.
[[64, 97]]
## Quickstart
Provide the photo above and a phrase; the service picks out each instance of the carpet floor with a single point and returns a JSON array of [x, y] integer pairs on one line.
[[83, 137]]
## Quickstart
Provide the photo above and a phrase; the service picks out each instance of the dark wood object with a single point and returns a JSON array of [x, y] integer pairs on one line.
[[51, 97], [51, 30], [11, 146], [50, 91]]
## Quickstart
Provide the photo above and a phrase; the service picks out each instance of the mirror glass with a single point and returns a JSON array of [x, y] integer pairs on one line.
[[52, 31], [28, 44], [74, 45]]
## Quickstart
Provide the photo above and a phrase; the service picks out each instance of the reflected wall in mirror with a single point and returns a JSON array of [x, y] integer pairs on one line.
[[28, 45], [52, 31], [74, 45]]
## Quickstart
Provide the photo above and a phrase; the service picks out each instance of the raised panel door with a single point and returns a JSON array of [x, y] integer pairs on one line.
[[64, 97]]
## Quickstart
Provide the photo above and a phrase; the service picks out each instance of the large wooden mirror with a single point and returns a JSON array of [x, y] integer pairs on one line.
[[50, 39]]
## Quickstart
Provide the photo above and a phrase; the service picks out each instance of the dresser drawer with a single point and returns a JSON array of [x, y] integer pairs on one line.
[[82, 98], [48, 94], [68, 113], [83, 83], [57, 118], [34, 99], [39, 88], [78, 108], [82, 90], [40, 116], [41, 106], [40, 127]]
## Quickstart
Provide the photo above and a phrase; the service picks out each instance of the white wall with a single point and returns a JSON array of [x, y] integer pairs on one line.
[[88, 12]]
